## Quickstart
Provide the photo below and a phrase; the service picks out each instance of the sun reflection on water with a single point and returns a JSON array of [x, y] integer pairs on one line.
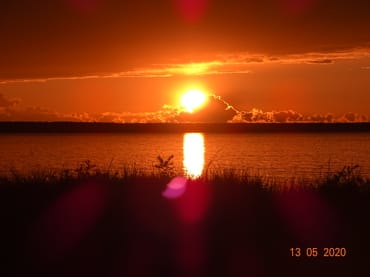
[[193, 155]]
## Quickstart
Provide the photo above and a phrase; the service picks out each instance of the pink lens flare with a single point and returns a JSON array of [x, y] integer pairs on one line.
[[298, 6], [308, 217], [68, 220], [191, 198], [175, 188], [192, 10], [192, 207]]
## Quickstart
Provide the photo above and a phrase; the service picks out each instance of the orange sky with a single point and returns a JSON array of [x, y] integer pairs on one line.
[[105, 60]]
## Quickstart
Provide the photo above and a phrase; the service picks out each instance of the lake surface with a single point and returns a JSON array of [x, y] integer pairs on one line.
[[279, 155]]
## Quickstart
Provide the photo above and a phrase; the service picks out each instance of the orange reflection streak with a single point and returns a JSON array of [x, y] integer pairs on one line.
[[193, 155]]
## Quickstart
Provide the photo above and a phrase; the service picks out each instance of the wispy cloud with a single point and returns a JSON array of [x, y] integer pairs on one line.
[[244, 58], [154, 71], [43, 80], [226, 63]]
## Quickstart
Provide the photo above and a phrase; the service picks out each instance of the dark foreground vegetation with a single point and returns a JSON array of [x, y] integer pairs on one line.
[[87, 222]]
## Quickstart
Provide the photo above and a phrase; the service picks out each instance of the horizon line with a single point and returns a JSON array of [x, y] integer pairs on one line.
[[190, 127]]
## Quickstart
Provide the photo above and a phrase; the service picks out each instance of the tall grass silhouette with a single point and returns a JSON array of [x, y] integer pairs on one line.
[[92, 221]]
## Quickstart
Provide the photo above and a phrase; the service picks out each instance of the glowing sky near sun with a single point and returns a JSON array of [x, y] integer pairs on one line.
[[130, 61]]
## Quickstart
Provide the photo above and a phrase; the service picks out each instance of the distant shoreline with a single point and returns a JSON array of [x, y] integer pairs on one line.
[[97, 127]]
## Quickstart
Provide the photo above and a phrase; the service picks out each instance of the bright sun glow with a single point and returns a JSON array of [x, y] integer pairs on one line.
[[193, 99]]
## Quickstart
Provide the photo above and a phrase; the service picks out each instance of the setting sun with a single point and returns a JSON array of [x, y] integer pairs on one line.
[[193, 99]]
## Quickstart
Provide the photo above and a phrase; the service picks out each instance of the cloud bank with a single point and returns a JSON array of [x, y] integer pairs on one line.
[[259, 116], [218, 110]]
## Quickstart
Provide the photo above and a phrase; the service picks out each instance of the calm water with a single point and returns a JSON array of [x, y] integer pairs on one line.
[[277, 155]]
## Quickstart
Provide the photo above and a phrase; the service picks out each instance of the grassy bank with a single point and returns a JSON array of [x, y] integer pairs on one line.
[[91, 222]]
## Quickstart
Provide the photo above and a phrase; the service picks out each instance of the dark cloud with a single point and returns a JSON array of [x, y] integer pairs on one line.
[[35, 113], [352, 117], [28, 114], [324, 61], [216, 110], [5, 102]]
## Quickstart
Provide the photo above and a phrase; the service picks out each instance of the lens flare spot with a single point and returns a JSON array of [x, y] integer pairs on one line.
[[192, 207], [175, 188], [298, 6], [305, 213], [192, 10], [68, 220]]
